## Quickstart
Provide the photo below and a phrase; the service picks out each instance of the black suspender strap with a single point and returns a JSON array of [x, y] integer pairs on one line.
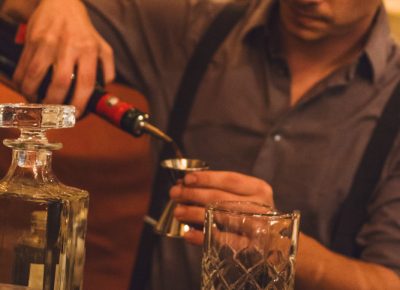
[[197, 67], [354, 211], [194, 72]]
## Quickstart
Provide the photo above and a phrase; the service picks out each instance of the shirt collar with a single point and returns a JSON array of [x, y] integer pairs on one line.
[[377, 50], [379, 45], [258, 16], [263, 22]]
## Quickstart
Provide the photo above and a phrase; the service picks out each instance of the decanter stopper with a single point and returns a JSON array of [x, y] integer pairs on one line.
[[33, 120]]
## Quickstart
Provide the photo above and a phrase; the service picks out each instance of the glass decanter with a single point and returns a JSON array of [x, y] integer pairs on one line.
[[42, 221]]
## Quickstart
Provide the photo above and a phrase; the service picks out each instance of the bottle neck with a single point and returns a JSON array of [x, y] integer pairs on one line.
[[30, 166], [31, 158]]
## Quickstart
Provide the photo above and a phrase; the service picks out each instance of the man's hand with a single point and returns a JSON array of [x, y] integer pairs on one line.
[[61, 36], [203, 187]]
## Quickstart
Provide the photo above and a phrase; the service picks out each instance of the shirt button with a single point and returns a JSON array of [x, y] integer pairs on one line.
[[277, 137]]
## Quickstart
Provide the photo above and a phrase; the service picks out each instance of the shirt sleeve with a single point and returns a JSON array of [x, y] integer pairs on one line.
[[380, 235], [151, 39]]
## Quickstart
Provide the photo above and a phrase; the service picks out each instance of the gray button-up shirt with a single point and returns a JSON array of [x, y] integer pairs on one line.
[[242, 119]]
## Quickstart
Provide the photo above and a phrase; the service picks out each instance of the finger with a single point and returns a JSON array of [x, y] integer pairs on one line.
[[37, 56], [37, 68], [227, 181], [27, 54], [62, 77], [107, 60], [236, 241], [85, 81], [190, 214], [203, 196], [195, 237]]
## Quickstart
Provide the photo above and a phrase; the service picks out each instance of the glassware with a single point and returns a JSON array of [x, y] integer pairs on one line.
[[29, 251], [123, 115], [42, 221], [249, 246], [168, 225]]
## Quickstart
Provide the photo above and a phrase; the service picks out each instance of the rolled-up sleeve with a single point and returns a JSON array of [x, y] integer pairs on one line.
[[151, 39]]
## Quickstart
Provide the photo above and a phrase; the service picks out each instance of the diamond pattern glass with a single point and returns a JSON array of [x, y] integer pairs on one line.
[[249, 246]]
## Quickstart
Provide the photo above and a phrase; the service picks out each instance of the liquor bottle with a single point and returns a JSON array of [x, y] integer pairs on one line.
[[29, 253], [42, 221], [102, 103]]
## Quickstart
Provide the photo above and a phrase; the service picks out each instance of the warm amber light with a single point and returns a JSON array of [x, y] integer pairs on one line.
[[393, 8]]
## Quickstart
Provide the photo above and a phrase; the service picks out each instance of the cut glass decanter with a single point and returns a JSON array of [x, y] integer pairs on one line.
[[42, 221]]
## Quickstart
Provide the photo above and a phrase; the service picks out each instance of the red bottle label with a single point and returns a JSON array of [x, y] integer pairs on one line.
[[21, 34], [112, 108]]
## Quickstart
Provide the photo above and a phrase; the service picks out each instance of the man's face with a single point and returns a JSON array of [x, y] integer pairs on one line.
[[318, 19]]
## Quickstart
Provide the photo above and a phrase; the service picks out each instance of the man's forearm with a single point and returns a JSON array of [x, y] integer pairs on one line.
[[322, 269]]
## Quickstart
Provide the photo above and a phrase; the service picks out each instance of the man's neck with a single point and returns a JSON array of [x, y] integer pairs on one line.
[[311, 61]]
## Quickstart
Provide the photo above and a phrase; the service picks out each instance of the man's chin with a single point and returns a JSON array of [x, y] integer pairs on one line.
[[307, 35]]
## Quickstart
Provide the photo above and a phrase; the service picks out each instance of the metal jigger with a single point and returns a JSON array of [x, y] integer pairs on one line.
[[168, 225]]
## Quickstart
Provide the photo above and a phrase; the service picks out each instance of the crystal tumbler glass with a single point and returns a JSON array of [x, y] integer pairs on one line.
[[249, 246]]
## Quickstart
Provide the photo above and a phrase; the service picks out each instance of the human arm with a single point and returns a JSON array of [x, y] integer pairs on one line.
[[317, 266], [60, 36], [320, 268], [151, 40]]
